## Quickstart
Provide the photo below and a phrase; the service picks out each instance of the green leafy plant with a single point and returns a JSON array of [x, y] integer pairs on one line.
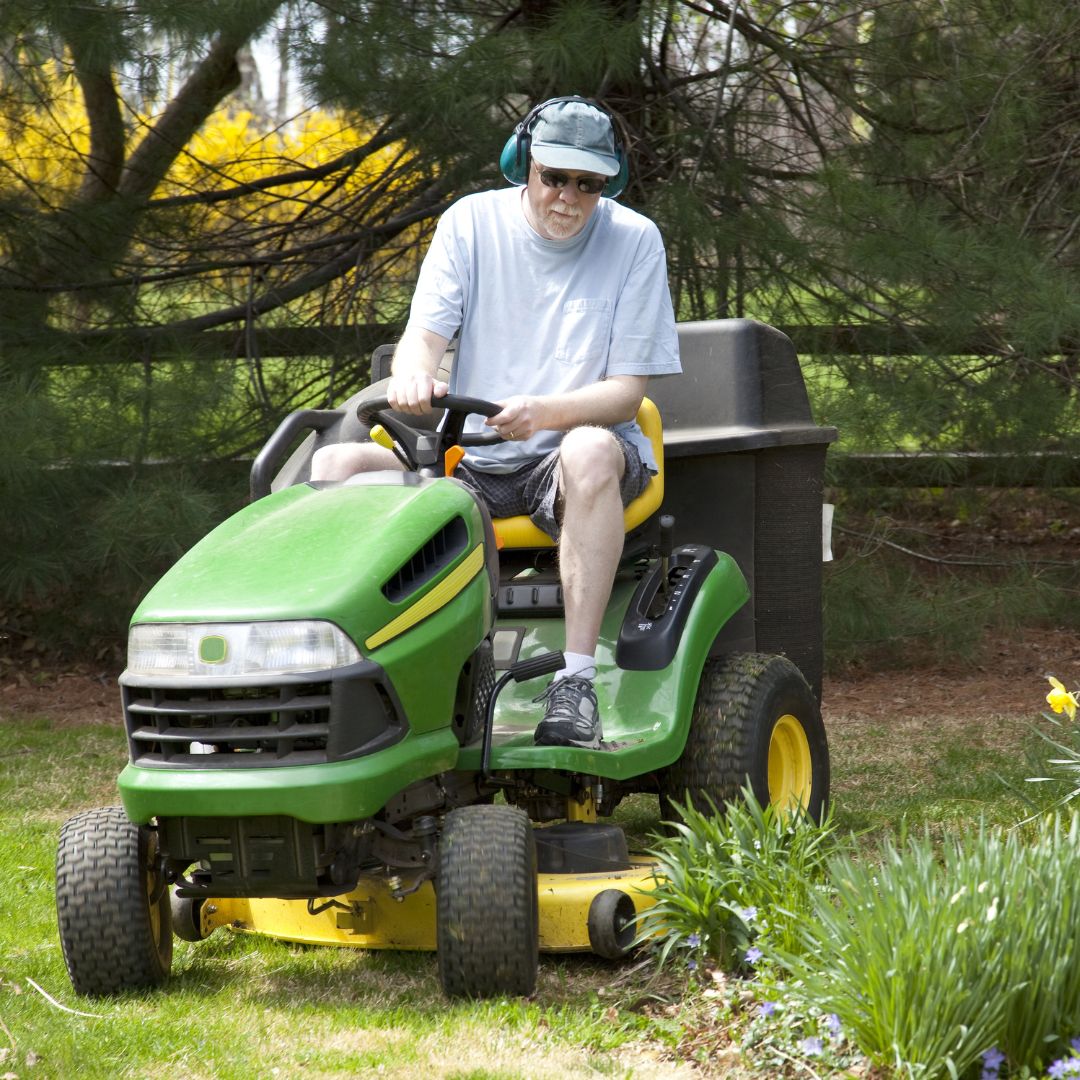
[[729, 880], [937, 953]]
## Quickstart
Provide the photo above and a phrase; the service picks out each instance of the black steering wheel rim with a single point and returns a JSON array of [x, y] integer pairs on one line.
[[458, 408]]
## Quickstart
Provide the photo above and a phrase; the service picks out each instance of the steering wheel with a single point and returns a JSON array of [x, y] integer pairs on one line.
[[422, 449]]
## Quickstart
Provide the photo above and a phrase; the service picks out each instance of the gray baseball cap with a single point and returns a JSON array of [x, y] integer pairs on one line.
[[575, 135]]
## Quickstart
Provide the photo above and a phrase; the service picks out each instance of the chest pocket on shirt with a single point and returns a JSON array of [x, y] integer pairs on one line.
[[584, 330]]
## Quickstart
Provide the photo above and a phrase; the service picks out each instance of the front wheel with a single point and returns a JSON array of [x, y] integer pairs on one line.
[[755, 720], [487, 917], [112, 904]]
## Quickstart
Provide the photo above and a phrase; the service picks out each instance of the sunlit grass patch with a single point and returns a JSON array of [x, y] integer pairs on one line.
[[239, 1006]]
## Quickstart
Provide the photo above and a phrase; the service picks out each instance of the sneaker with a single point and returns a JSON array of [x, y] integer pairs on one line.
[[572, 717]]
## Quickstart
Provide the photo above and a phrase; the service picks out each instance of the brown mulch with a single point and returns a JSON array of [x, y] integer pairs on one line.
[[1010, 679], [82, 695]]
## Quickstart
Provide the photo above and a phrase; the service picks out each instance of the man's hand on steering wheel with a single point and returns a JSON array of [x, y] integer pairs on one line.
[[414, 393], [423, 449], [519, 419]]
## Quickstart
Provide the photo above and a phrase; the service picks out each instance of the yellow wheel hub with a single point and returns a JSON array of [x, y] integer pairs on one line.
[[791, 773]]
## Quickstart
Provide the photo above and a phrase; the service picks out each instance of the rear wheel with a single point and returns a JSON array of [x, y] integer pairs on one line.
[[755, 718], [487, 914], [112, 904]]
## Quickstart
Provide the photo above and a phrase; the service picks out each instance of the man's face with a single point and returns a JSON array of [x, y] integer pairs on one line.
[[558, 213]]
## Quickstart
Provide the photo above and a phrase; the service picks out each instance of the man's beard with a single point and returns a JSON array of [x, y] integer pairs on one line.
[[563, 225]]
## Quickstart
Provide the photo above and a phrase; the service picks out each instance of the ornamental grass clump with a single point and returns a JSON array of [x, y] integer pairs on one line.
[[729, 882], [936, 954]]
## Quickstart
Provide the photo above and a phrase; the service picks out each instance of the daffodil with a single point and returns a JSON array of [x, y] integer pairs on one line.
[[1060, 700]]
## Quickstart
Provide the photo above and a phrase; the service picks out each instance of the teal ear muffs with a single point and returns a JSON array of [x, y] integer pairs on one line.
[[514, 159]]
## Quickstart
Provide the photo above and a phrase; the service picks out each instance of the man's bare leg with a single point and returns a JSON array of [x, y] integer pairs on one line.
[[342, 460], [591, 467]]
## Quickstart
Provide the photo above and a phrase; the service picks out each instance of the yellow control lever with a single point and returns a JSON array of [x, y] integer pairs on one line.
[[380, 435]]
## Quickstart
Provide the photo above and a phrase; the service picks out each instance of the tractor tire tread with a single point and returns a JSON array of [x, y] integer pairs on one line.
[[102, 912], [720, 754], [487, 903]]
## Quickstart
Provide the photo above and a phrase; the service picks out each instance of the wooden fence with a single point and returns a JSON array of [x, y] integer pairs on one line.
[[356, 343]]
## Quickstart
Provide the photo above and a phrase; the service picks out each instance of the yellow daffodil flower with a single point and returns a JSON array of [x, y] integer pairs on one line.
[[1060, 700]]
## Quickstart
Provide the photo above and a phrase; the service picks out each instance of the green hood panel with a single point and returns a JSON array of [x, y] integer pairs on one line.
[[308, 553]]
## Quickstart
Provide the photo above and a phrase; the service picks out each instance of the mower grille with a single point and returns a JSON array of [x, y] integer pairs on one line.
[[266, 725], [291, 722]]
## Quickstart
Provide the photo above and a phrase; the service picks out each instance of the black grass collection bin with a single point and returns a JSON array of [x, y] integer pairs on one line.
[[744, 467]]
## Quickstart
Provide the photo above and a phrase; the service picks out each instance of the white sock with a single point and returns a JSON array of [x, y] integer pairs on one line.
[[577, 664]]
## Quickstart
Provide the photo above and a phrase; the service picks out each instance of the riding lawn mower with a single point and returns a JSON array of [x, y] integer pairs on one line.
[[329, 700]]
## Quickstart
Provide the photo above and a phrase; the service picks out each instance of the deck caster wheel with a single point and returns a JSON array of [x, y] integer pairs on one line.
[[487, 916], [112, 904], [612, 922], [187, 917]]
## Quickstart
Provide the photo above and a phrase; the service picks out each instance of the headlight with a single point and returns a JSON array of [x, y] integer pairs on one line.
[[227, 649]]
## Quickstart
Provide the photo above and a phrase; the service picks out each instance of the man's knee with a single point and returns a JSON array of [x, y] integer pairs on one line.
[[339, 461], [590, 458]]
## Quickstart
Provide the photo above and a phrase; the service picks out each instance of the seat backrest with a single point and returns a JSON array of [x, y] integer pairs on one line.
[[520, 532]]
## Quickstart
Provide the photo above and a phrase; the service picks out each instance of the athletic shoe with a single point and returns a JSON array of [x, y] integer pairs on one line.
[[571, 716]]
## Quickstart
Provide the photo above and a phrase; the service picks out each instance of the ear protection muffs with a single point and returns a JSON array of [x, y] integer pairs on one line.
[[514, 159]]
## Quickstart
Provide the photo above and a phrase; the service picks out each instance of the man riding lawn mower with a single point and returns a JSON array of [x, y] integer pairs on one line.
[[331, 700]]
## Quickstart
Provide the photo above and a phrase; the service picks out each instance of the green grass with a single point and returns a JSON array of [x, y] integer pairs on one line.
[[942, 776], [240, 1006]]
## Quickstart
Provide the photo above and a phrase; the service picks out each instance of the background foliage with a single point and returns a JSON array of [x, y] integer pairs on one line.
[[896, 177]]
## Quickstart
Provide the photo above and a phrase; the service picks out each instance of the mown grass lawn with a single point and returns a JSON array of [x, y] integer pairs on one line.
[[244, 1007]]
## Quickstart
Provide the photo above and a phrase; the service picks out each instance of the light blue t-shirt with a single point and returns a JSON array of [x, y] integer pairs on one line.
[[540, 316]]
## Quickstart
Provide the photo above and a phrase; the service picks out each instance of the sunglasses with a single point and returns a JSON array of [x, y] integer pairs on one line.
[[587, 185]]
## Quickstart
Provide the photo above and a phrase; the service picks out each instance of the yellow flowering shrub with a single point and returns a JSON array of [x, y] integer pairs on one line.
[[43, 148]]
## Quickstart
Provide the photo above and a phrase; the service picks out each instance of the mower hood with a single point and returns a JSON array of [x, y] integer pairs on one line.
[[358, 555]]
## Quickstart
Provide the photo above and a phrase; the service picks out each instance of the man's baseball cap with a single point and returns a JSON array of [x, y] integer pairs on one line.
[[575, 135]]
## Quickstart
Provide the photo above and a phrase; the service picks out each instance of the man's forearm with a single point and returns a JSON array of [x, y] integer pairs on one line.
[[604, 403], [419, 352], [412, 374], [601, 404]]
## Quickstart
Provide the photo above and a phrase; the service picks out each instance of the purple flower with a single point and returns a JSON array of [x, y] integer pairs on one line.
[[1064, 1068], [832, 1022], [753, 954], [1075, 1044], [993, 1059], [811, 1046], [692, 965], [694, 940], [748, 915], [767, 1008]]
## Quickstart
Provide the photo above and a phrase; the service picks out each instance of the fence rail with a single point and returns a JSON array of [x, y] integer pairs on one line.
[[357, 342], [143, 344]]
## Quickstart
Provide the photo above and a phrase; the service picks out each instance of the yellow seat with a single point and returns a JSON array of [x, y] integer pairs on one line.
[[520, 532]]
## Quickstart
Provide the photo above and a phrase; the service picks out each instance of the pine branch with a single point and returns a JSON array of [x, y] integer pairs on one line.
[[216, 76], [105, 159], [349, 160]]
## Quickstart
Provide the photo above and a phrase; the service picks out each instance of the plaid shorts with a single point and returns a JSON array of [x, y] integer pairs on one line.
[[533, 488]]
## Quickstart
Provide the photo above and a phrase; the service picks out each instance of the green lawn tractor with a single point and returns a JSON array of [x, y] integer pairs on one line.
[[329, 700]]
